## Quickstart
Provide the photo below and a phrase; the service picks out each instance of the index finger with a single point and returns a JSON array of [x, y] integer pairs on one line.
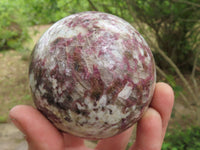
[[163, 101]]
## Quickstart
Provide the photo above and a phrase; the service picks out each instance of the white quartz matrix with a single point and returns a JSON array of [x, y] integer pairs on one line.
[[92, 75]]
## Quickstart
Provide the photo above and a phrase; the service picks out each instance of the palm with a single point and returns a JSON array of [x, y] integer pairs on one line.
[[42, 135]]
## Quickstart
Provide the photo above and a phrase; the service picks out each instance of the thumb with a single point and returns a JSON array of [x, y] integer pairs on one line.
[[39, 132]]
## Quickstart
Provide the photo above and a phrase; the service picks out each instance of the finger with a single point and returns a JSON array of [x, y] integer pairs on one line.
[[118, 142], [72, 141], [149, 132], [162, 102], [39, 132]]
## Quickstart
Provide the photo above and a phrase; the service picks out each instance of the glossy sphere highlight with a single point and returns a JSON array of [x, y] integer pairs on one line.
[[92, 75]]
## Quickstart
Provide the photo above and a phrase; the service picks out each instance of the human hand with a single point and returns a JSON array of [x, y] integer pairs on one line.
[[151, 128]]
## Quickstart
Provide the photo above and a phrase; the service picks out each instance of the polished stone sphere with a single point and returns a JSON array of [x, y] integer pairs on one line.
[[92, 75]]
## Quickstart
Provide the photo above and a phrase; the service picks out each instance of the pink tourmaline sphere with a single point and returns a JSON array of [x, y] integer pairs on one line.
[[92, 75]]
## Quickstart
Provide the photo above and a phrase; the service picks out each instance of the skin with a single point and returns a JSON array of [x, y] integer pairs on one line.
[[151, 128]]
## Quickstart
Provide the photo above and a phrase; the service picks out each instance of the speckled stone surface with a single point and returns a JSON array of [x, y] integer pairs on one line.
[[92, 75]]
